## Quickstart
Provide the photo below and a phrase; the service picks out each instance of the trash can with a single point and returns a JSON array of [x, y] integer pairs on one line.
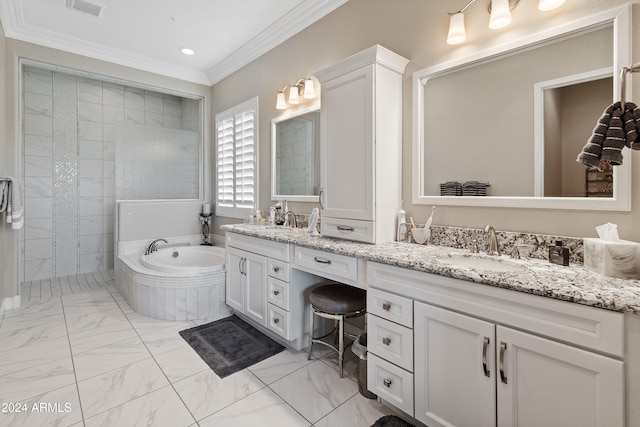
[[359, 347]]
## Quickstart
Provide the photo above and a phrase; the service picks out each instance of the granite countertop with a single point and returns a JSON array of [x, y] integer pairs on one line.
[[574, 283]]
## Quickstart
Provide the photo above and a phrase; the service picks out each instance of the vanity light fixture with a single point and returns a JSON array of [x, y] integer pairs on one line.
[[500, 11], [302, 87]]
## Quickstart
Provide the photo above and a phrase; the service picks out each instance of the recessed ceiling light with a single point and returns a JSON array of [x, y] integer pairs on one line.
[[187, 51]]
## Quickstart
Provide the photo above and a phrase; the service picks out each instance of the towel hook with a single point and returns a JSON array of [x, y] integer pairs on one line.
[[623, 81]]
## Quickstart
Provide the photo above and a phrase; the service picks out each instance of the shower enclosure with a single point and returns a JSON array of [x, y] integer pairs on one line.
[[87, 142]]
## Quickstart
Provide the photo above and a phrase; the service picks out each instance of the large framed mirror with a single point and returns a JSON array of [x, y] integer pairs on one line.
[[515, 118], [295, 156]]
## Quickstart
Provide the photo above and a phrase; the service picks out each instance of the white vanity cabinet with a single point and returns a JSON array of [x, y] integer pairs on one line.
[[263, 288], [485, 356], [361, 145], [246, 268]]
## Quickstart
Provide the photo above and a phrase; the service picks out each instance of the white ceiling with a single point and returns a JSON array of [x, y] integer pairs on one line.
[[147, 34]]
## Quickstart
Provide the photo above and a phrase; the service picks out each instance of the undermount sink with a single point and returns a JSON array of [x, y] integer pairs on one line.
[[481, 263]]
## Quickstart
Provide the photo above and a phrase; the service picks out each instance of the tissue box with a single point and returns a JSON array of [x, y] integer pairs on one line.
[[615, 259]]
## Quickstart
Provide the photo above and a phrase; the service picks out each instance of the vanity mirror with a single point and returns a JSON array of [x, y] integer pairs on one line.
[[295, 156], [516, 117]]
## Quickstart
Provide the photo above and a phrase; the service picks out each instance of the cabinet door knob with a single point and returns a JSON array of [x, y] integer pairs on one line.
[[276, 320], [386, 306], [485, 347], [276, 269], [386, 340], [276, 292], [387, 382], [503, 349]]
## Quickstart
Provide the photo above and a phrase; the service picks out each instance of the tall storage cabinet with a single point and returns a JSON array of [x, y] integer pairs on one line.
[[361, 145]]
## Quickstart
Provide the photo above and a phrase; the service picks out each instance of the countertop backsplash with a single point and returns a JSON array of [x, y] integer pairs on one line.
[[536, 244]]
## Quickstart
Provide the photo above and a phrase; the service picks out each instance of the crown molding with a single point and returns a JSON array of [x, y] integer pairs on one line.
[[295, 21]]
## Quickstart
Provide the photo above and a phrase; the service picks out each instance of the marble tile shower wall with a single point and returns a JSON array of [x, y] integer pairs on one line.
[[69, 165]]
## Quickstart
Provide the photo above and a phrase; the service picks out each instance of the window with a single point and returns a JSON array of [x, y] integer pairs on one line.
[[237, 149]]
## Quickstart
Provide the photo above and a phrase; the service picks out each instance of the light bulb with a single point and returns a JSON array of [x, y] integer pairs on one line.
[[280, 102], [293, 95], [309, 89], [546, 5], [500, 14], [457, 32]]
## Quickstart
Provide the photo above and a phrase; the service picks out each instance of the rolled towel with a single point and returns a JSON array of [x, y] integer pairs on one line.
[[632, 125], [615, 140], [592, 151]]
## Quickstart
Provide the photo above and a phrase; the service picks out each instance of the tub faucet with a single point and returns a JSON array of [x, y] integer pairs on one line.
[[294, 223], [494, 248], [153, 246]]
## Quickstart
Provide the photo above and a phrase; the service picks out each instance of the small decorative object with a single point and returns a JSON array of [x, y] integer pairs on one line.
[[421, 235], [206, 228]]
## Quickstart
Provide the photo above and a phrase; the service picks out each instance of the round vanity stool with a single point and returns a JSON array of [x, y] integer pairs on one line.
[[338, 302]]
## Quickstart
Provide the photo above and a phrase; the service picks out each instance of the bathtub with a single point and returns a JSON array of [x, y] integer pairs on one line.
[[175, 282], [186, 259]]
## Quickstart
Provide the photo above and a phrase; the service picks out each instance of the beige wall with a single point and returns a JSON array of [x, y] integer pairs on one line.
[[416, 29], [12, 51]]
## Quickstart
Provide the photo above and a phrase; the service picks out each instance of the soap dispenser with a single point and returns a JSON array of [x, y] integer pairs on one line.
[[558, 254]]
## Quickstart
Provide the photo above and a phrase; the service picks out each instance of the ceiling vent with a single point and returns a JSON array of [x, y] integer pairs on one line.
[[85, 6]]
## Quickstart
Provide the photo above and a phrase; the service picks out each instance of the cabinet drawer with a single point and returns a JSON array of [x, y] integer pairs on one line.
[[390, 383], [278, 321], [327, 264], [352, 229], [276, 250], [390, 341], [278, 293], [278, 269], [391, 307]]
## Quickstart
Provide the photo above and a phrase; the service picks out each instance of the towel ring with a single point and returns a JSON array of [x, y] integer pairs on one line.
[[623, 81]]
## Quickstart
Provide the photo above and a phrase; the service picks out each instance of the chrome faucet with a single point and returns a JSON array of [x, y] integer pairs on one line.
[[153, 246], [286, 219], [494, 248]]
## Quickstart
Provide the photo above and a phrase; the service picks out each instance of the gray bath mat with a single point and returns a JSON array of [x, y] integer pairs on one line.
[[230, 345], [391, 421]]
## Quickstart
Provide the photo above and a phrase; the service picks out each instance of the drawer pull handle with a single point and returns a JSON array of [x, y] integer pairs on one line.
[[386, 306], [386, 340], [276, 320], [322, 261], [345, 228], [485, 346], [276, 269], [276, 292], [387, 382], [503, 349]]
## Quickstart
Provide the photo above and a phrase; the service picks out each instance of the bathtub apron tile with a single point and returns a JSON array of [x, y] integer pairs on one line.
[[204, 308], [170, 304], [152, 297], [192, 303], [181, 304]]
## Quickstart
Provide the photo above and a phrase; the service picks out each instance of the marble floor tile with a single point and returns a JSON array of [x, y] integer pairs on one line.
[[262, 408], [34, 354], [11, 339], [181, 363], [100, 301], [166, 339], [26, 320], [59, 407], [355, 412], [205, 393], [114, 388], [146, 325], [93, 320], [349, 365], [315, 390], [161, 408], [21, 385], [36, 306], [106, 358], [280, 365], [103, 336]]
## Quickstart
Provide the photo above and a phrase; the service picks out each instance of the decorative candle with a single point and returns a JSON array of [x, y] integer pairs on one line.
[[206, 209]]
